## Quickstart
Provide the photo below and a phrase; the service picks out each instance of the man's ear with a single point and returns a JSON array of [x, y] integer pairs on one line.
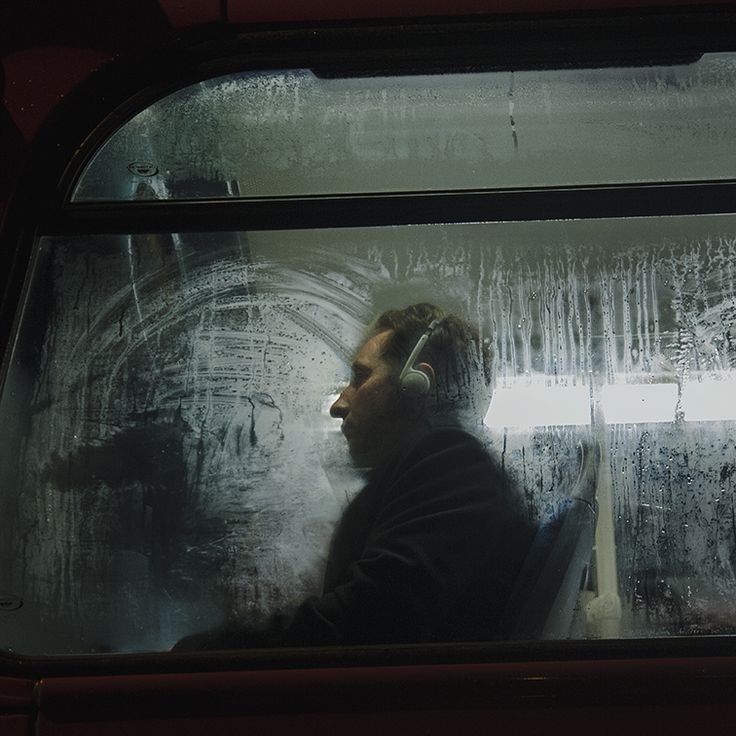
[[428, 371]]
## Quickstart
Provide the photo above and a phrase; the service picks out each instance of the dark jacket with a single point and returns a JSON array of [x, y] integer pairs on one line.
[[428, 551]]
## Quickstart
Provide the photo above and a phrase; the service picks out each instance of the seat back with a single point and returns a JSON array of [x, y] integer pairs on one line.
[[546, 592]]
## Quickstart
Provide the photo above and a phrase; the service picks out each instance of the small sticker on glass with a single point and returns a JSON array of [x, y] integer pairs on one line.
[[142, 168], [9, 602]]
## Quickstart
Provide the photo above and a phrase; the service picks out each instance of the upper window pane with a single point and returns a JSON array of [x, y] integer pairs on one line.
[[292, 133]]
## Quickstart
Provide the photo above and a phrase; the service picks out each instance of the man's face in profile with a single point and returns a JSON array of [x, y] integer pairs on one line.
[[370, 406]]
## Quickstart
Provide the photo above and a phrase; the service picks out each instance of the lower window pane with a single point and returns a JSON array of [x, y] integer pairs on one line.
[[169, 463]]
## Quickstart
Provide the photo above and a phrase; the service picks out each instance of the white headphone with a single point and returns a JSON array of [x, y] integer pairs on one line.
[[414, 382]]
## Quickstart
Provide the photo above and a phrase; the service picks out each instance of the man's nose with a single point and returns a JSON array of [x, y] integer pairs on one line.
[[340, 409]]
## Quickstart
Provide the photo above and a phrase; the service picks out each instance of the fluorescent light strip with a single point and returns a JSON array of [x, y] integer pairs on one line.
[[532, 404], [710, 398], [630, 403]]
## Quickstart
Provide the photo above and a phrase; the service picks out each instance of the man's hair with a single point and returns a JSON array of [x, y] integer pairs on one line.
[[460, 359]]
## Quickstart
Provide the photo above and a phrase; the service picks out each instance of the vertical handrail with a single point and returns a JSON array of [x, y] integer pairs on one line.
[[603, 612]]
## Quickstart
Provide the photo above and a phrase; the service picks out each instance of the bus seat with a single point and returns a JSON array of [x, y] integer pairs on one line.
[[546, 592]]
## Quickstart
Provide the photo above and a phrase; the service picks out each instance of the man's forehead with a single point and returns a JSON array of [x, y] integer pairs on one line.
[[372, 350]]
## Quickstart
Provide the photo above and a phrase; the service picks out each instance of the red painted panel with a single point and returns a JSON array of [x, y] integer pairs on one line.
[[15, 706], [397, 688], [181, 14], [15, 693], [15, 725], [603, 721], [247, 11], [612, 697], [37, 79]]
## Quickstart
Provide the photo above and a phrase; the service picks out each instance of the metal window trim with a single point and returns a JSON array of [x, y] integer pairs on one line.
[[400, 208]]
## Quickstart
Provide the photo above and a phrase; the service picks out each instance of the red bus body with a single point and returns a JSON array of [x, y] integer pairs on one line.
[[49, 54]]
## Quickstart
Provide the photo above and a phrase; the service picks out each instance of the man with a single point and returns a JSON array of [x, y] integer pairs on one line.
[[430, 549]]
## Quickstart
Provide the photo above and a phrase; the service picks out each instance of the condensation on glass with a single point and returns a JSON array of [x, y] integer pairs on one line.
[[290, 132], [167, 458]]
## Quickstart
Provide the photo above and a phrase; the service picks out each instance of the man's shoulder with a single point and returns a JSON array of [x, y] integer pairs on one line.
[[448, 454], [445, 442]]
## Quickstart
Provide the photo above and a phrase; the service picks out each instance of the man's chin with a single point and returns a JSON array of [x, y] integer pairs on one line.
[[363, 458], [370, 458], [362, 462]]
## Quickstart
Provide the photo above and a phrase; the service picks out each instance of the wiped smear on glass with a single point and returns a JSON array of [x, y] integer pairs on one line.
[[167, 460]]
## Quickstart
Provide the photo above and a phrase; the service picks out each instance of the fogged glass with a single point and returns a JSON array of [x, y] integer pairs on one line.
[[168, 461], [291, 133]]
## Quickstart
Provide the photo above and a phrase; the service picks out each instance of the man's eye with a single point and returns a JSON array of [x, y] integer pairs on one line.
[[358, 378]]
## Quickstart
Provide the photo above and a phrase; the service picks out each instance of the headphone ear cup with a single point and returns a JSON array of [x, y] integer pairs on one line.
[[415, 383]]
